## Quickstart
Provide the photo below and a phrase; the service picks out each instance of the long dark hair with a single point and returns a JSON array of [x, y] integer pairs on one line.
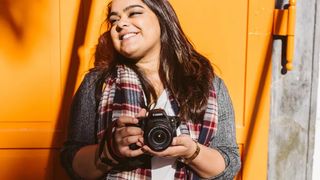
[[184, 71]]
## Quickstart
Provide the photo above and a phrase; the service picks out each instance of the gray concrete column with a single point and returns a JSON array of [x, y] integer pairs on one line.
[[293, 101]]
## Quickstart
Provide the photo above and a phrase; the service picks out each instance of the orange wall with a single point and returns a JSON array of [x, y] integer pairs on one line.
[[46, 47]]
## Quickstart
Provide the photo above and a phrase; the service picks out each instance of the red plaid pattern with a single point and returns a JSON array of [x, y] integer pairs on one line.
[[123, 95]]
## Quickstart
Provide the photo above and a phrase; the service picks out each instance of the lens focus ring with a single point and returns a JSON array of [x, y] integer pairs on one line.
[[159, 138]]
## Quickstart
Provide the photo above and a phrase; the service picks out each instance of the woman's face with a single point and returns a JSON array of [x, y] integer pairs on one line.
[[135, 29]]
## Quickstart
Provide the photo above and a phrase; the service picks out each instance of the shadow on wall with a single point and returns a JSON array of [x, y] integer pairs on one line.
[[70, 85], [255, 120], [8, 11], [25, 26]]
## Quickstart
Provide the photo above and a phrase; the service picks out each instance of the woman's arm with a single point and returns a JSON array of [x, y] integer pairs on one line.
[[209, 162], [78, 152], [84, 163], [225, 139], [221, 160]]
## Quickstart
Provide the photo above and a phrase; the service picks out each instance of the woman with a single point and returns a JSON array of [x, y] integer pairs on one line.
[[150, 64]]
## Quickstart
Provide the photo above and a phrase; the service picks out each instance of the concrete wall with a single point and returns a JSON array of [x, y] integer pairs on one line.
[[316, 155], [294, 100]]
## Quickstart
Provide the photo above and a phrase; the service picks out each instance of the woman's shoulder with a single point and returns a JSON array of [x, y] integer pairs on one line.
[[222, 93], [92, 75], [88, 83], [91, 78], [218, 84], [223, 99]]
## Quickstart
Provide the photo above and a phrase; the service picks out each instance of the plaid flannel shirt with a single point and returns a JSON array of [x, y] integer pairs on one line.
[[123, 96]]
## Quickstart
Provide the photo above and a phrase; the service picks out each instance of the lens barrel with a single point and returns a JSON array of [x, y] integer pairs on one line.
[[159, 138]]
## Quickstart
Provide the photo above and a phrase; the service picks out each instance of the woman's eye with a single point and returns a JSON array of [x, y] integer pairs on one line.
[[112, 21], [134, 13]]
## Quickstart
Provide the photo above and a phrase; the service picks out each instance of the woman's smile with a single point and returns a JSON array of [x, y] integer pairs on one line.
[[135, 30], [128, 35]]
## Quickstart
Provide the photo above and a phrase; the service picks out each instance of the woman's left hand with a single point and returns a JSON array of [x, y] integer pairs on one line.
[[181, 146]]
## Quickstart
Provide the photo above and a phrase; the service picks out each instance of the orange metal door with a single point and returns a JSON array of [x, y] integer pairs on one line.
[[35, 49], [47, 46], [237, 36]]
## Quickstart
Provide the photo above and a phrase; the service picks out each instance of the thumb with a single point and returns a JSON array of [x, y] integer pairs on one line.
[[180, 140]]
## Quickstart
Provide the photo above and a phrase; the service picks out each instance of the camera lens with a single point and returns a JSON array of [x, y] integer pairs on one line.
[[159, 138]]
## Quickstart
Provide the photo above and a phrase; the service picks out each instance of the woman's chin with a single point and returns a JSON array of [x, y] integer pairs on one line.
[[131, 55]]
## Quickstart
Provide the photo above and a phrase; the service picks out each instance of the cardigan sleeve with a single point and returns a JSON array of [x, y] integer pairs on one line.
[[81, 129], [225, 139]]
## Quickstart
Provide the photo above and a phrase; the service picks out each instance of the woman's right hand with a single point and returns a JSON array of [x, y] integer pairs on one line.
[[125, 135]]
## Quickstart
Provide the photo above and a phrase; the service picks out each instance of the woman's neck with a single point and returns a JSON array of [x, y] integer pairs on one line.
[[149, 65], [151, 70]]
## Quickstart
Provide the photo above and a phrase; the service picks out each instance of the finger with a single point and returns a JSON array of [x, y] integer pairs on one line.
[[147, 149], [139, 144], [125, 120], [128, 131], [169, 152], [142, 113], [130, 140], [141, 140]]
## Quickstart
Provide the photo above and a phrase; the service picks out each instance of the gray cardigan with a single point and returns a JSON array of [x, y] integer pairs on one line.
[[82, 127]]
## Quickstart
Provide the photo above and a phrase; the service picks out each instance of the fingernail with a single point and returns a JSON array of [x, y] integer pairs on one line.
[[135, 120]]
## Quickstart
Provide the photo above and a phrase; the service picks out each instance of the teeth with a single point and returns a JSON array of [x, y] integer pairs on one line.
[[128, 35]]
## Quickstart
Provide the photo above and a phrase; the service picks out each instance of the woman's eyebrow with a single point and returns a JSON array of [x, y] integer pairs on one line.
[[132, 6], [126, 9]]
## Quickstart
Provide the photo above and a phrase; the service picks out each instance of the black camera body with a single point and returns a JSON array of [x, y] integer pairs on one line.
[[159, 129]]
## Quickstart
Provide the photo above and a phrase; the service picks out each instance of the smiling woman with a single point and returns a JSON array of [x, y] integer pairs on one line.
[[135, 30], [144, 63]]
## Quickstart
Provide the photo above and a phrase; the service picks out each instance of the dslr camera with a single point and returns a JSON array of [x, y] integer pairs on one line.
[[159, 129]]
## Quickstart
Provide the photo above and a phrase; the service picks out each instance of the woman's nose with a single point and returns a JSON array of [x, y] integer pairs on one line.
[[122, 23]]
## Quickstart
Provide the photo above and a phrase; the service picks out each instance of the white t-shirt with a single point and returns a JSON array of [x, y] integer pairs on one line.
[[164, 168]]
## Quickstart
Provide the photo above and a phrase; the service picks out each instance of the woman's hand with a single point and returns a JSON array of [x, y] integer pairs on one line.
[[125, 135], [181, 146], [209, 162]]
